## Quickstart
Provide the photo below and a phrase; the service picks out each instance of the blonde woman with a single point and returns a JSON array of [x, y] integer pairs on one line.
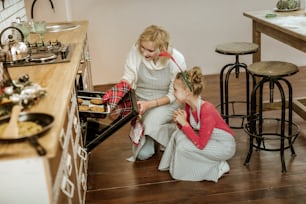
[[152, 78], [202, 143]]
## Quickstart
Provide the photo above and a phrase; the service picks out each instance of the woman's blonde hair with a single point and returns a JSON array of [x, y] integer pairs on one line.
[[155, 34], [193, 80]]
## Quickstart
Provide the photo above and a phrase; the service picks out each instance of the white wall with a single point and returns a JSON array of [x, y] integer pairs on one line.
[[12, 10], [195, 26]]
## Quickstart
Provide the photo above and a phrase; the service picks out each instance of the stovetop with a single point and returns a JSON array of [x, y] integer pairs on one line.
[[46, 53]]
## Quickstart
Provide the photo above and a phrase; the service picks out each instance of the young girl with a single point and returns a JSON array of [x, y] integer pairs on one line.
[[202, 143]]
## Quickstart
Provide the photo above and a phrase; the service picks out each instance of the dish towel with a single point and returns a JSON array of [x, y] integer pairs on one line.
[[137, 131]]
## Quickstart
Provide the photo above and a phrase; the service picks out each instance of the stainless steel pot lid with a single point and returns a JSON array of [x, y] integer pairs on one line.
[[42, 57]]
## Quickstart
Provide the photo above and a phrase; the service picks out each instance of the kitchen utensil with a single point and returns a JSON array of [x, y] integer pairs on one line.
[[12, 45], [42, 119], [25, 27], [40, 28], [11, 130]]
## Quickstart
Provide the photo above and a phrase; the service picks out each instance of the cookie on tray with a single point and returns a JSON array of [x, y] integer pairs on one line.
[[96, 101], [97, 109], [80, 101], [83, 108]]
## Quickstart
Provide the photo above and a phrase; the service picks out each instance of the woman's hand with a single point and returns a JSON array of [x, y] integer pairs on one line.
[[179, 116], [143, 106]]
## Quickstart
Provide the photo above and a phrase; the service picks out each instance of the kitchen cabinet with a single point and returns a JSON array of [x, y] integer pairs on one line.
[[70, 179], [63, 169]]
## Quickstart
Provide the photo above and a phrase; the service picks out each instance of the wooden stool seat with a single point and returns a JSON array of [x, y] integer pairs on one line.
[[272, 69], [237, 48]]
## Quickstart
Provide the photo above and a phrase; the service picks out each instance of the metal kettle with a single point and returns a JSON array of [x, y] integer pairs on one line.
[[13, 49]]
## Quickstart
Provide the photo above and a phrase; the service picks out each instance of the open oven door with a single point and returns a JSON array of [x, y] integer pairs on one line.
[[97, 127]]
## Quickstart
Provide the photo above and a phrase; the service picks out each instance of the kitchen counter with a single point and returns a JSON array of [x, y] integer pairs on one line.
[[58, 80]]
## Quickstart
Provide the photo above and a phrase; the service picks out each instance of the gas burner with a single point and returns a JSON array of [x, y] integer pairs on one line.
[[46, 53], [42, 57]]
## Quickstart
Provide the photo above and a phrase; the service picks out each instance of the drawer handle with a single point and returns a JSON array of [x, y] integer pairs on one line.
[[69, 164], [62, 138], [82, 153], [76, 124], [84, 182], [67, 187]]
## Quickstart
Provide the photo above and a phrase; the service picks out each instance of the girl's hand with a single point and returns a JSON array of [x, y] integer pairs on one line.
[[179, 116]]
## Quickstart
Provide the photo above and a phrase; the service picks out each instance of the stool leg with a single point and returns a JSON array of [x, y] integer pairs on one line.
[[222, 104], [226, 95], [283, 118], [225, 75], [247, 76], [248, 157], [290, 93], [252, 118], [260, 114], [247, 92], [252, 123]]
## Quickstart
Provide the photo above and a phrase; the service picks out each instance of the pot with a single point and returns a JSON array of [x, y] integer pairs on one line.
[[43, 119], [13, 48]]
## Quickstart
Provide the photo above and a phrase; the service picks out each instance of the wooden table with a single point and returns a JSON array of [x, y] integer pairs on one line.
[[286, 27]]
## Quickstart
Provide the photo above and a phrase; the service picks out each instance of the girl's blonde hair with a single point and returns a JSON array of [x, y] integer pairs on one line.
[[194, 78], [155, 34]]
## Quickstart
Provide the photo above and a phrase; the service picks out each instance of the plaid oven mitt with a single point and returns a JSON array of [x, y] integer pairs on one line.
[[114, 98]]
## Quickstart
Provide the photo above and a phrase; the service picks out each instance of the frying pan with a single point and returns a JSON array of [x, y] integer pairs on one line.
[[43, 119]]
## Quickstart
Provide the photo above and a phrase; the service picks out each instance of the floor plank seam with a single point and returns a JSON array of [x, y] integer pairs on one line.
[[129, 186], [266, 189]]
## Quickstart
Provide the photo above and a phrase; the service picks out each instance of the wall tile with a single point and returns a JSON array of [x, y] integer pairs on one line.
[[12, 10]]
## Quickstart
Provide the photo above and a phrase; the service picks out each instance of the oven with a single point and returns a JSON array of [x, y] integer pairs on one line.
[[97, 125]]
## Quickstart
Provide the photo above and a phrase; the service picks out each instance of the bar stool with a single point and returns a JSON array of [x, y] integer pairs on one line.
[[271, 133], [237, 49]]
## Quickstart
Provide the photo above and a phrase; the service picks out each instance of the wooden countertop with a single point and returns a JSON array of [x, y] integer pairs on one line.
[[58, 80]]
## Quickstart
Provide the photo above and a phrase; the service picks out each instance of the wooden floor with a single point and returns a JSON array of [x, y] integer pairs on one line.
[[112, 179]]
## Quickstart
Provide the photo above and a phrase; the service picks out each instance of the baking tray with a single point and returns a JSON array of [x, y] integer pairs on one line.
[[86, 98]]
